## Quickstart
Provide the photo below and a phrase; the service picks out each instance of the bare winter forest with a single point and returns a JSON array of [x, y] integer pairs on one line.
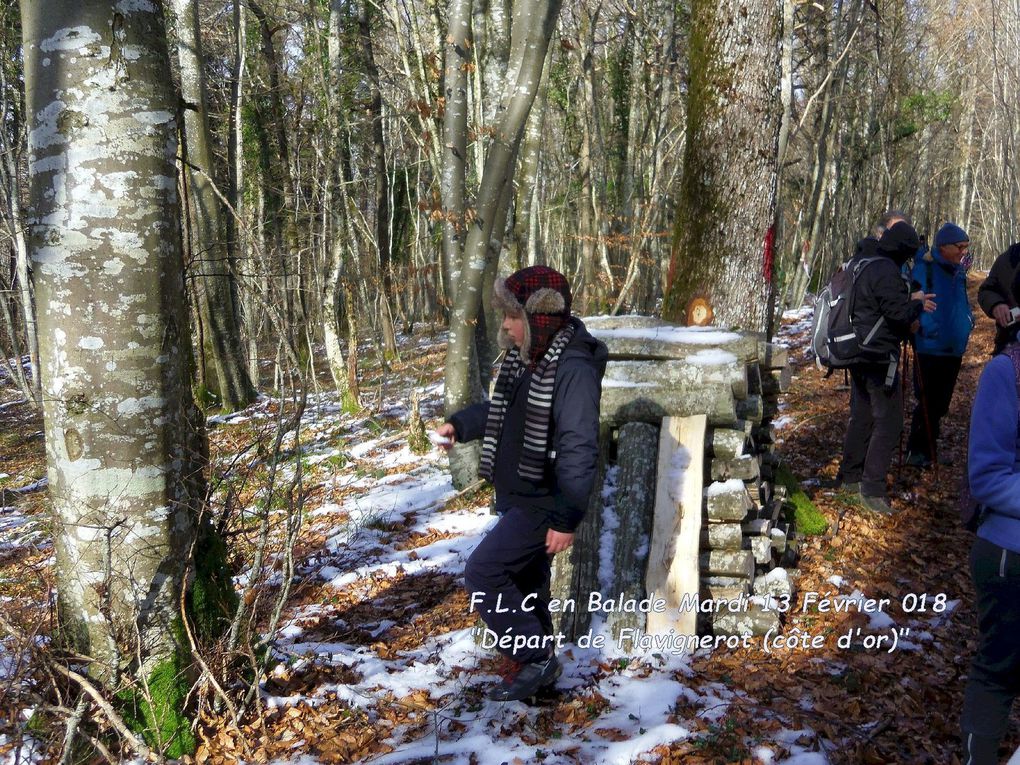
[[249, 250]]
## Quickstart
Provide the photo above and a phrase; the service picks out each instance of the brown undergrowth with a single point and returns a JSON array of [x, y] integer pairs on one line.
[[858, 706]]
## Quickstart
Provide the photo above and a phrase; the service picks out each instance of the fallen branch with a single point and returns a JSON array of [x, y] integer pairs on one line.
[[112, 717]]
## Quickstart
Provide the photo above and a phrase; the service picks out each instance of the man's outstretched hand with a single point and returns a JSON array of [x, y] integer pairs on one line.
[[448, 432], [557, 541]]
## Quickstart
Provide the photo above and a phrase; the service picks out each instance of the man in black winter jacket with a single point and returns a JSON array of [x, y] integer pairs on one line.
[[995, 295], [883, 313], [540, 450]]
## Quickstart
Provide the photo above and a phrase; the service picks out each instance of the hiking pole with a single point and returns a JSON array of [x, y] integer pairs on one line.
[[903, 396], [924, 413]]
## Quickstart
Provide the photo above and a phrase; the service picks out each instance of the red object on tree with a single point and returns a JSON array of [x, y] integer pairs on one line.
[[770, 253]]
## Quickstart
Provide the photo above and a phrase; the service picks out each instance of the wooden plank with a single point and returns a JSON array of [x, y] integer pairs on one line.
[[676, 526]]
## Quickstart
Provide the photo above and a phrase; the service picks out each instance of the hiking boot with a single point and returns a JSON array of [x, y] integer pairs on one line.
[[918, 460], [850, 493], [528, 681], [508, 669], [877, 505]]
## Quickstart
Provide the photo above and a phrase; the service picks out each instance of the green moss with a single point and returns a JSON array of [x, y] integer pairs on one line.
[[157, 712], [806, 517], [39, 725], [211, 600], [160, 712], [205, 396]]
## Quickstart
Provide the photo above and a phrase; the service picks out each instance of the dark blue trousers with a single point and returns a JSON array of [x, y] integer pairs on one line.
[[876, 421], [994, 679], [507, 579], [934, 381]]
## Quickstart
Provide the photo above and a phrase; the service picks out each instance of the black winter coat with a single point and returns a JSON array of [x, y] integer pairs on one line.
[[882, 291], [999, 287], [566, 487]]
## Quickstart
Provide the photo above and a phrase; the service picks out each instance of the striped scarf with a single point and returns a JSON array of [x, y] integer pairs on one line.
[[539, 407]]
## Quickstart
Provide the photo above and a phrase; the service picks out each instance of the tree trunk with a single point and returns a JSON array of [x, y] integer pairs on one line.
[[209, 221], [125, 442], [538, 20], [526, 246], [452, 181], [279, 168], [12, 138], [382, 180], [727, 200]]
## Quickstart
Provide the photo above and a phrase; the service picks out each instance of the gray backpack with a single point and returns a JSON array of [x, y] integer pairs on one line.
[[834, 338]]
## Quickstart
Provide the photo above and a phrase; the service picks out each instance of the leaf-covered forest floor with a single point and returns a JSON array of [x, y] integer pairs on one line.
[[375, 661]]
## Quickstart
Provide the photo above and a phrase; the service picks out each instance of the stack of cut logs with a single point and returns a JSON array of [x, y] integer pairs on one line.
[[686, 421]]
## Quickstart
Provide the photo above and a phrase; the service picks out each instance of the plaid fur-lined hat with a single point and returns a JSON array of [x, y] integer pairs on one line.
[[543, 296]]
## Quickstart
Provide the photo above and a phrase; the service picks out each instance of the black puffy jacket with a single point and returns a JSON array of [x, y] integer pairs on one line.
[[1000, 286], [566, 487], [882, 303]]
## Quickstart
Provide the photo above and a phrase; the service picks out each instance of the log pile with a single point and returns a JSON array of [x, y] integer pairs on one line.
[[723, 533]]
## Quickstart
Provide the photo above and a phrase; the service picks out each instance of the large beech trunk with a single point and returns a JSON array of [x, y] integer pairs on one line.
[[727, 200], [124, 441]]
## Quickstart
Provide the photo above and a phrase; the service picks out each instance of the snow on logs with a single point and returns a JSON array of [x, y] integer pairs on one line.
[[686, 411]]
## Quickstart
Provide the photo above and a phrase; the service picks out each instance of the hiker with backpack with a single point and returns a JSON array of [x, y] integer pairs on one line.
[[540, 451], [993, 473], [996, 295], [882, 310], [941, 339]]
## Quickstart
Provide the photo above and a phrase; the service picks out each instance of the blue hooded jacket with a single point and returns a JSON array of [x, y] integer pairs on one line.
[[946, 330], [993, 461]]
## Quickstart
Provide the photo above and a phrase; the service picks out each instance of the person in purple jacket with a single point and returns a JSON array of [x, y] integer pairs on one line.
[[994, 476], [540, 451]]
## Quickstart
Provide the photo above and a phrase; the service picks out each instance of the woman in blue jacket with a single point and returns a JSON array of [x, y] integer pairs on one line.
[[941, 339], [994, 474]]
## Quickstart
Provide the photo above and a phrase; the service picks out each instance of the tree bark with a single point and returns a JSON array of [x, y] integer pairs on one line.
[[209, 221], [12, 138], [124, 440], [727, 200], [453, 180], [382, 180], [485, 231]]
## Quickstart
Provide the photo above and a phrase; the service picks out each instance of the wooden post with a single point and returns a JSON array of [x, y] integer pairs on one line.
[[676, 529]]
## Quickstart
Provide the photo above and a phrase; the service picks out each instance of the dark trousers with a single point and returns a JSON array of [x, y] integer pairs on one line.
[[509, 565], [994, 679], [934, 381], [876, 421]]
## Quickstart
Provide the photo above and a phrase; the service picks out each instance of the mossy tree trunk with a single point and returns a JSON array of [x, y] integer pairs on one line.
[[726, 207], [124, 441]]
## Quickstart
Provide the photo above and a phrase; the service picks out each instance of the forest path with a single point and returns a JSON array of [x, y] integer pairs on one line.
[[900, 706]]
